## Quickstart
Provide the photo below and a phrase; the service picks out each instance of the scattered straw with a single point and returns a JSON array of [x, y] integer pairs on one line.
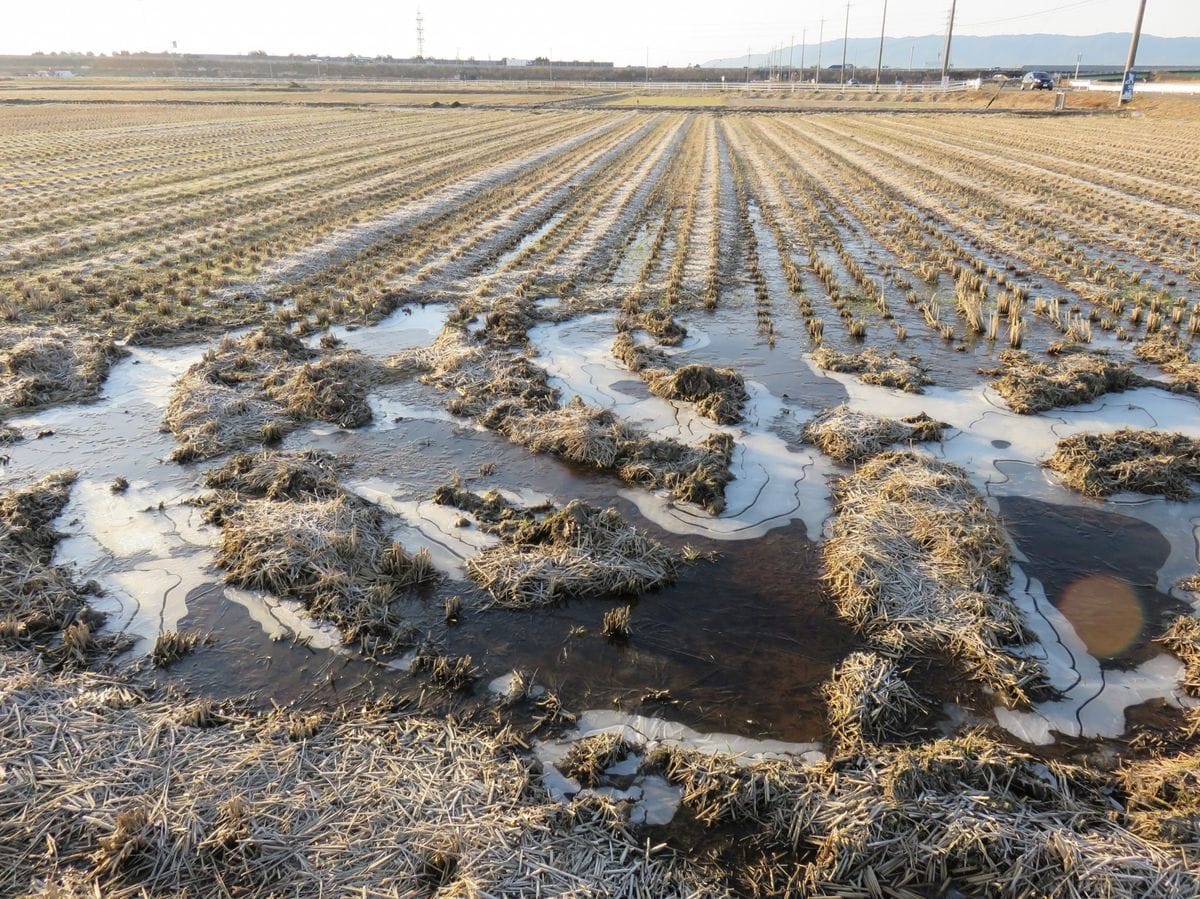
[[875, 368], [43, 366], [918, 563], [590, 757], [966, 815], [719, 393], [1183, 640], [510, 394], [1175, 358], [1029, 386], [108, 792], [1128, 460], [868, 701], [575, 552], [849, 436], [288, 528], [40, 608], [256, 389]]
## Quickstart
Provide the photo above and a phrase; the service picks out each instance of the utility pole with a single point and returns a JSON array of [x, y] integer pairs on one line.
[[882, 32], [949, 36], [747, 65], [803, 47], [820, 40], [791, 57], [647, 67], [845, 41], [420, 34], [1126, 82], [1078, 60]]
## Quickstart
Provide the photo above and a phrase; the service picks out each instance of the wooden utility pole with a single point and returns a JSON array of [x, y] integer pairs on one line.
[[1127, 94], [845, 41], [949, 37], [820, 40], [882, 32]]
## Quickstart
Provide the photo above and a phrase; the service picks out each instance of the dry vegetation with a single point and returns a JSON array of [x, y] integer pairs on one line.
[[135, 801], [548, 555], [510, 393], [850, 437], [1029, 386], [966, 814], [44, 366], [719, 393], [255, 389], [288, 527], [918, 563], [1128, 460], [963, 234], [40, 607]]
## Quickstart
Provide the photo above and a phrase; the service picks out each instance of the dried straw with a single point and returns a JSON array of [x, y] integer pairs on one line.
[[868, 702], [918, 563], [576, 552], [288, 528], [1130, 460], [44, 366], [108, 791], [875, 368], [850, 436], [1028, 386]]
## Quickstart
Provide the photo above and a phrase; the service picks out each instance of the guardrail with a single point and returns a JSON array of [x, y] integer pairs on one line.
[[1141, 87], [707, 86]]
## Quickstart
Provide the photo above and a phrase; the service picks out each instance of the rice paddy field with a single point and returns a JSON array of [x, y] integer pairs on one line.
[[580, 497]]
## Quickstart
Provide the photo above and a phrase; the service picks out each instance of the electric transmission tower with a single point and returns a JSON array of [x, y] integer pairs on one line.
[[420, 34]]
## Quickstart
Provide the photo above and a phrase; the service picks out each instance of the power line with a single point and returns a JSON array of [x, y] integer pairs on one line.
[[1034, 15]]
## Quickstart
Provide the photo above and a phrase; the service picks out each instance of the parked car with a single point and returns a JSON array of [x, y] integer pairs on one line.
[[1037, 81]]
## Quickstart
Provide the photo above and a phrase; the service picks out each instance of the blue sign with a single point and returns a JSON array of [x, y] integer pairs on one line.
[[1127, 87]]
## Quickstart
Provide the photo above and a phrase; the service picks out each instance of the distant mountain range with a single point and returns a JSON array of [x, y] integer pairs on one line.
[[1056, 51]]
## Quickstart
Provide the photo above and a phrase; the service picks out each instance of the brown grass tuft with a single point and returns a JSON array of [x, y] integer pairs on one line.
[[918, 563], [1130, 460], [1029, 386]]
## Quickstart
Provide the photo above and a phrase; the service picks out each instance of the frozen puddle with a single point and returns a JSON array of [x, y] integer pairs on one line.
[[654, 799], [427, 525], [1000, 451], [774, 484], [407, 327], [998, 448]]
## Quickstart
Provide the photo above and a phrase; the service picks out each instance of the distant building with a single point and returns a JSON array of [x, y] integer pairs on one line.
[[509, 61]]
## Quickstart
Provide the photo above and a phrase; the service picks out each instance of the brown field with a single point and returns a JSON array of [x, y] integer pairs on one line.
[[640, 495]]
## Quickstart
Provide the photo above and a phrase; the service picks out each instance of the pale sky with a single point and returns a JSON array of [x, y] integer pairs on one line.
[[676, 33]]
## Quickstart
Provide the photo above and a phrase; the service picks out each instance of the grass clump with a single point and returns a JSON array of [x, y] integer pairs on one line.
[[1174, 356], [577, 551], [45, 366], [510, 394], [598, 439], [143, 797], [873, 367], [1029, 386], [868, 701], [719, 393], [1182, 639], [256, 389], [171, 646], [289, 528], [849, 436], [1128, 460], [966, 815], [918, 563], [589, 758], [616, 626], [40, 608]]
